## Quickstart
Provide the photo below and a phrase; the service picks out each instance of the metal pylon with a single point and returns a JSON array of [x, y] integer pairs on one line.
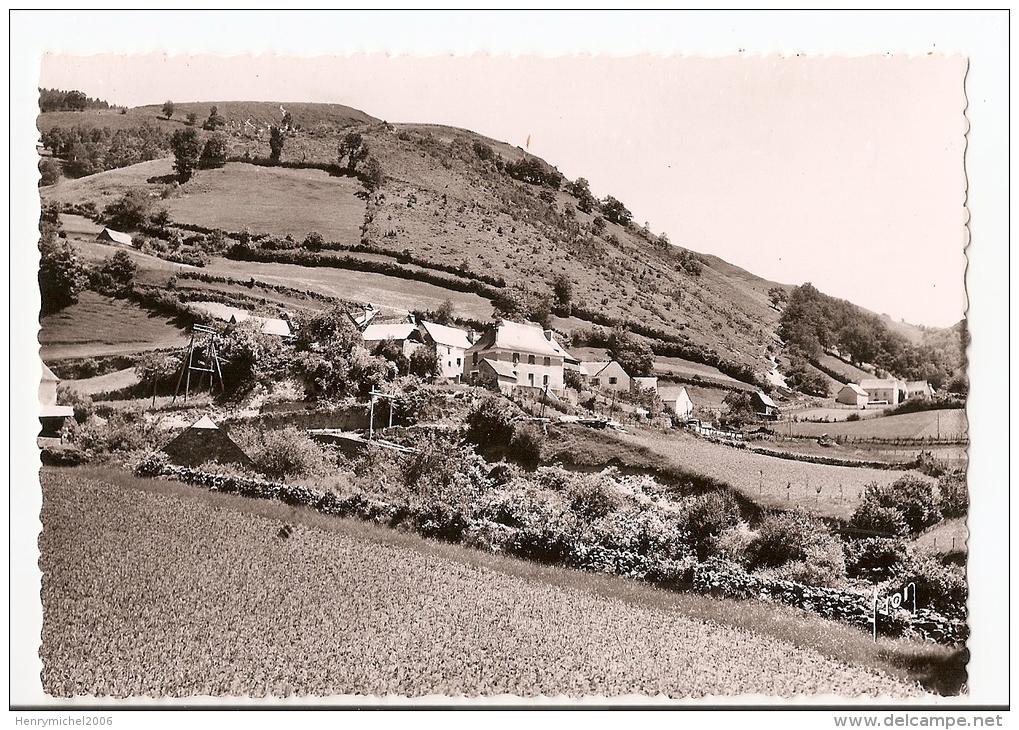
[[211, 365]]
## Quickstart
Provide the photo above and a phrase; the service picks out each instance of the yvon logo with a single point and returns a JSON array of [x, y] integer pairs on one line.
[[904, 598]]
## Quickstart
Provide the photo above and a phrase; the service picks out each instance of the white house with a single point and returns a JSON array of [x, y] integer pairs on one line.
[[886, 390], [450, 346], [606, 375], [677, 401], [918, 389], [525, 349], [852, 394]]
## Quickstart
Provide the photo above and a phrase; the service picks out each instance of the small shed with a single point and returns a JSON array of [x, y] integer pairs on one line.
[[51, 416], [852, 394], [111, 236], [764, 406], [204, 441], [495, 375], [677, 402]]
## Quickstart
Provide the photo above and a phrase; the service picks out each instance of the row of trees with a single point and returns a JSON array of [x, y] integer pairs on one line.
[[87, 150], [57, 100], [813, 323]]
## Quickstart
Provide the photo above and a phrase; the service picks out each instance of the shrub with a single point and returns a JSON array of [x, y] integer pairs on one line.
[[526, 445], [873, 517], [80, 402], [592, 496], [915, 499], [283, 453], [707, 516], [954, 495], [938, 586], [874, 558], [802, 548], [733, 543]]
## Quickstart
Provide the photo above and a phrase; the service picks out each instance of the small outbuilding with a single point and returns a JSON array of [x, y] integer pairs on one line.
[[111, 236], [204, 441], [677, 402], [51, 416], [496, 375], [764, 406], [852, 394]]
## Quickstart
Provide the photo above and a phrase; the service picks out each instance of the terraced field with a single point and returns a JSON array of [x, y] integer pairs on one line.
[[148, 593], [945, 424]]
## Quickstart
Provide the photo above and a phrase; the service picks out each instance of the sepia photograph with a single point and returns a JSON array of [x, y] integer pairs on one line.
[[502, 379]]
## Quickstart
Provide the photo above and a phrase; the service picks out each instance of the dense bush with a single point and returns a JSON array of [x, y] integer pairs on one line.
[[80, 402], [873, 517], [874, 558], [800, 547], [915, 499], [954, 495], [938, 586], [707, 517], [283, 453]]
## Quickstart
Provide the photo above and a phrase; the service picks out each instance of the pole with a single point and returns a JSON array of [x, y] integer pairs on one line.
[[371, 418]]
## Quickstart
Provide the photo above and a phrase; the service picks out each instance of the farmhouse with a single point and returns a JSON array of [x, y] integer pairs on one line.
[[852, 394], [887, 390], [450, 346], [51, 416], [527, 351], [404, 333], [606, 375], [677, 401], [764, 406], [918, 389], [204, 441]]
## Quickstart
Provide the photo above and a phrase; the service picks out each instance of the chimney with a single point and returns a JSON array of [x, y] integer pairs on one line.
[[548, 335]]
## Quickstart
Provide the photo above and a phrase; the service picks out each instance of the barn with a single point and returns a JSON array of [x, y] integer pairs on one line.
[[852, 394], [204, 441], [764, 406], [111, 236]]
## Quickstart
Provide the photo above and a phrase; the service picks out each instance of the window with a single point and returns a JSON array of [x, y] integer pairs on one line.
[[530, 359], [595, 381], [458, 362], [613, 381], [530, 379], [474, 359], [516, 358], [548, 361], [544, 380]]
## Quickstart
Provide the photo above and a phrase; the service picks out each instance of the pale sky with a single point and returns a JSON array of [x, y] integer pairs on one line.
[[846, 172]]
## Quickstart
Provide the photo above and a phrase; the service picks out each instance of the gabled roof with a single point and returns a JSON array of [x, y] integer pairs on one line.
[[395, 331], [524, 338], [765, 399], [204, 422], [112, 235], [279, 327], [917, 385], [48, 376], [595, 368], [668, 394], [875, 383], [446, 336], [855, 388], [567, 357], [501, 368]]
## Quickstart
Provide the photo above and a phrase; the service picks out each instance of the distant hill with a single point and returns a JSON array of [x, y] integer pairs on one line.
[[456, 210]]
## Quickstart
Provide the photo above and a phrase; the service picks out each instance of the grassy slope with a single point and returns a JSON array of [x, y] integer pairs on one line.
[[327, 610], [101, 321], [925, 424]]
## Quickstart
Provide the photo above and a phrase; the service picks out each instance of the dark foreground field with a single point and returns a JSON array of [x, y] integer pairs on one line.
[[153, 588]]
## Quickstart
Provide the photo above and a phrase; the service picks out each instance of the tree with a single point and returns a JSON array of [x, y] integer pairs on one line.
[[373, 176], [192, 119], [187, 150], [129, 213], [354, 149], [49, 171], [778, 296], [615, 212], [739, 410], [276, 139], [424, 363], [116, 273], [636, 356], [582, 192], [168, 109], [213, 153], [76, 101], [562, 289], [215, 121], [61, 276]]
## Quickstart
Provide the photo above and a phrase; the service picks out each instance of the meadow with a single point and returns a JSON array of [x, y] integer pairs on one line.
[[943, 424], [157, 589], [769, 481]]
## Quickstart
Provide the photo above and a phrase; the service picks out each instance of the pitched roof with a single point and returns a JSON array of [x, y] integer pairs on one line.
[[501, 368], [395, 331], [204, 422], [765, 399], [668, 394], [271, 326], [567, 357], [875, 383], [855, 388], [109, 233], [524, 338], [917, 385], [48, 376], [446, 336]]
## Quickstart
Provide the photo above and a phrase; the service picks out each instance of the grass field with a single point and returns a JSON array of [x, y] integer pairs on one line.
[[275, 200], [102, 325], [154, 588], [105, 383], [945, 424], [850, 373], [765, 480]]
